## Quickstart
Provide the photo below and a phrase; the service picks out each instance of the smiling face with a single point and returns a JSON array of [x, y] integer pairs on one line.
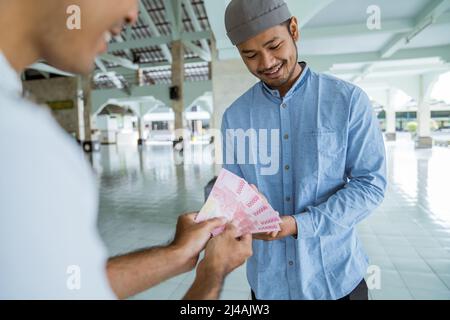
[[272, 55], [75, 50]]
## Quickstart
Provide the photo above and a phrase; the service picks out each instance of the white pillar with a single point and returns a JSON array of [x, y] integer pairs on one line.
[[424, 140], [178, 82], [141, 130], [80, 111], [230, 79], [85, 116], [390, 117], [424, 119]]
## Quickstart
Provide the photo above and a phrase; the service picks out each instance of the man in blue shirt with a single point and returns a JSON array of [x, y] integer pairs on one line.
[[327, 169]]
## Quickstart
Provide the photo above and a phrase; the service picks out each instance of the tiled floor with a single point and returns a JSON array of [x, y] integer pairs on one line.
[[141, 196], [407, 238]]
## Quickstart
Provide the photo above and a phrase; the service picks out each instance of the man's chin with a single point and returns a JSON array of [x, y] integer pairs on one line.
[[275, 84]]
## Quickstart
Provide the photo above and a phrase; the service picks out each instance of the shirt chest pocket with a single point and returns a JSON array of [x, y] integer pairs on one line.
[[328, 149], [328, 143]]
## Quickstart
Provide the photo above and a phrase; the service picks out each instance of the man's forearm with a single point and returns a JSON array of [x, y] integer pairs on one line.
[[207, 285], [342, 211], [135, 272]]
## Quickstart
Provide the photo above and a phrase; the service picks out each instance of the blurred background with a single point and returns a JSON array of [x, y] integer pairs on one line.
[[176, 69]]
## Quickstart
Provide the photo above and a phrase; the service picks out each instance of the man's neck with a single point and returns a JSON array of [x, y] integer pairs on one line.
[[18, 60], [295, 76], [17, 45]]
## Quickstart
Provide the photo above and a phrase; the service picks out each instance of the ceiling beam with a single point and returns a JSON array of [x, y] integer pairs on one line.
[[120, 39], [360, 29], [203, 54], [173, 14], [392, 71], [112, 77], [154, 31], [308, 9], [325, 62], [356, 29], [424, 20], [143, 66], [364, 72], [197, 27], [120, 61], [427, 18], [43, 67], [158, 41], [100, 65]]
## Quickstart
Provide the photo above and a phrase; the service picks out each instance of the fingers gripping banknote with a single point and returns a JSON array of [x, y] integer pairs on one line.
[[234, 199]]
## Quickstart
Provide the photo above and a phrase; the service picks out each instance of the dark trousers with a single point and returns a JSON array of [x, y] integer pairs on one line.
[[361, 292]]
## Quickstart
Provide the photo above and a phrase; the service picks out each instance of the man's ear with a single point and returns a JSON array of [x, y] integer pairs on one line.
[[293, 29]]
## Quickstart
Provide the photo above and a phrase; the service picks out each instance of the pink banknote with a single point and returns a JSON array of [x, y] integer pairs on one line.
[[234, 199]]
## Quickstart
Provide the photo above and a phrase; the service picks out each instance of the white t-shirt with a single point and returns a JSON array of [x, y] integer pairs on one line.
[[49, 244]]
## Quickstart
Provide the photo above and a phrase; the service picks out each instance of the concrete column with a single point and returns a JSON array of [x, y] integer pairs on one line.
[[141, 130], [391, 134], [178, 82], [62, 95], [230, 79], [199, 127], [85, 107], [140, 77], [80, 111], [424, 140]]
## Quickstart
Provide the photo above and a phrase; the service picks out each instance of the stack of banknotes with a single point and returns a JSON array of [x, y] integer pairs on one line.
[[235, 200]]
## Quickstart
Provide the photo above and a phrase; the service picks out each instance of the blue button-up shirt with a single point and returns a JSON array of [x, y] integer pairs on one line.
[[316, 154]]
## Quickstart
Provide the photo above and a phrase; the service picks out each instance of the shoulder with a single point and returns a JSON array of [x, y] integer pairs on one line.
[[243, 104], [343, 93], [48, 206], [337, 85], [42, 160]]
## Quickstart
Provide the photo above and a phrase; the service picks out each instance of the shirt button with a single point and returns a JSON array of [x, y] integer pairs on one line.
[[284, 105], [288, 199], [286, 167], [291, 263], [286, 136]]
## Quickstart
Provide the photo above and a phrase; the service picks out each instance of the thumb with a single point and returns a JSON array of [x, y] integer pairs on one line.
[[232, 230], [214, 223], [246, 239]]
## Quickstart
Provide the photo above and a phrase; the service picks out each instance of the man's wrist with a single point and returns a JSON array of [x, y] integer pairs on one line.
[[181, 257], [207, 284], [208, 272]]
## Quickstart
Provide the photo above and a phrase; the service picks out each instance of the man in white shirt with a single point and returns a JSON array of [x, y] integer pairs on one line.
[[49, 244]]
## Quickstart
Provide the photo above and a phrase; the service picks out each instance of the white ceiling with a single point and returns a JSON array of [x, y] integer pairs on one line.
[[339, 27], [335, 38]]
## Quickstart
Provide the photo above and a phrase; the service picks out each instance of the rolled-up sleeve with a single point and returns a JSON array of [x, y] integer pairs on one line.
[[366, 173]]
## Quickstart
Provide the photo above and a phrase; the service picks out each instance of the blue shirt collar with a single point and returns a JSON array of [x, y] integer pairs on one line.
[[300, 81]]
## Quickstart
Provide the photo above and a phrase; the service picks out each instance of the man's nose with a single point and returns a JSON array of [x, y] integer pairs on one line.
[[133, 13], [267, 61]]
